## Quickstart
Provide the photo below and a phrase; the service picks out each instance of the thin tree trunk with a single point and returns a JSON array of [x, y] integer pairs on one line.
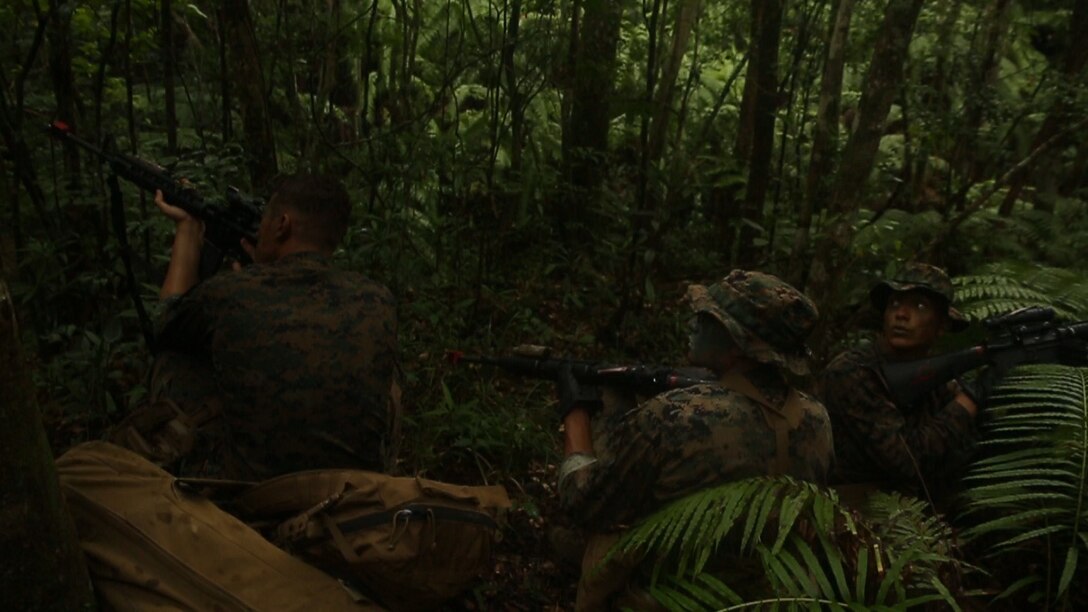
[[654, 33], [166, 48], [742, 147], [256, 125], [965, 152], [594, 74], [513, 91], [566, 84], [881, 84], [226, 122], [64, 92], [50, 573], [107, 57], [686, 15], [766, 106], [825, 137], [796, 75]]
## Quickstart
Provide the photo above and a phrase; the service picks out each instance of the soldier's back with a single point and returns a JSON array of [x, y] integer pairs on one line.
[[305, 355]]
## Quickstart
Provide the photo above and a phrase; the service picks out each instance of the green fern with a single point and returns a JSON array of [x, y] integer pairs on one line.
[[1003, 287], [814, 553], [1027, 497]]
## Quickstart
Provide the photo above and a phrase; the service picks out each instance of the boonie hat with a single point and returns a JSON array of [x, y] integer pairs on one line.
[[767, 318], [924, 277]]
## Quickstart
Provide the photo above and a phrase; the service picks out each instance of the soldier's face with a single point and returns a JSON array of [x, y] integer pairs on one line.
[[913, 320]]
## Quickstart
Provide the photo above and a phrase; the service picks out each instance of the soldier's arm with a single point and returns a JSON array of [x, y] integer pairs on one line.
[[899, 449], [186, 321], [183, 272], [610, 487]]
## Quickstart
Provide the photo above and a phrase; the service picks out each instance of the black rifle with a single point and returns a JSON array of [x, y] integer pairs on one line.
[[1027, 335], [534, 362], [226, 222]]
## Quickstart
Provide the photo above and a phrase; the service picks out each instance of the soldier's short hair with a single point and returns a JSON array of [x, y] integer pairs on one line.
[[321, 201]]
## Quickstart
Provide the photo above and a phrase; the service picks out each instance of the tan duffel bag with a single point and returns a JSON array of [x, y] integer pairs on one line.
[[153, 545], [410, 543]]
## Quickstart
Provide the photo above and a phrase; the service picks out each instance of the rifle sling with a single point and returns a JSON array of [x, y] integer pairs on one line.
[[117, 215], [781, 418]]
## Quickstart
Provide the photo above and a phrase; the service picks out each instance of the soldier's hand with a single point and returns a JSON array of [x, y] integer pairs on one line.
[[573, 394], [249, 248], [980, 389], [175, 214]]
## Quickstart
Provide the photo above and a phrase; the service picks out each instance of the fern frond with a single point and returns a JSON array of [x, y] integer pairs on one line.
[[1002, 287], [1028, 494], [900, 557]]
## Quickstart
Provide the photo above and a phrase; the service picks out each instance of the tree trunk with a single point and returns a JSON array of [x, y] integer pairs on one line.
[[256, 125], [513, 92], [742, 147], [594, 69], [226, 123], [881, 84], [50, 573], [681, 34], [64, 92], [765, 98], [166, 48], [965, 152], [825, 137]]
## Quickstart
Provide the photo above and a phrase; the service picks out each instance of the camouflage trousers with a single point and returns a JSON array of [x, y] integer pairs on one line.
[[179, 427]]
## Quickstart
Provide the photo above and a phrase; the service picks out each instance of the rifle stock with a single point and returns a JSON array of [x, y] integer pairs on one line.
[[1024, 336]]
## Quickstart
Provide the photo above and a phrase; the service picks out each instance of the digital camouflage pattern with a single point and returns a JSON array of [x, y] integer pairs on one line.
[[895, 448], [926, 278], [305, 358], [767, 317], [686, 440]]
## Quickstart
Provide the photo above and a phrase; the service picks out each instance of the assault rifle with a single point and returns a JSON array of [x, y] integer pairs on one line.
[[226, 221], [535, 362], [1027, 335]]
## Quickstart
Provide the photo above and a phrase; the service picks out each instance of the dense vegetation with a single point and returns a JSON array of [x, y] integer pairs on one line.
[[547, 172]]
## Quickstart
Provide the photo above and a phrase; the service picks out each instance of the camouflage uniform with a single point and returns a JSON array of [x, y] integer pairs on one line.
[[690, 439], [896, 447], [305, 359]]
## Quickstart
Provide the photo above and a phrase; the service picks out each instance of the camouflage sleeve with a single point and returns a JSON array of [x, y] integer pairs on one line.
[[185, 322], [866, 414], [611, 489]]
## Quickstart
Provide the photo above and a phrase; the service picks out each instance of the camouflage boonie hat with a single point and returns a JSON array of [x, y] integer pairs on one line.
[[768, 318], [925, 277]]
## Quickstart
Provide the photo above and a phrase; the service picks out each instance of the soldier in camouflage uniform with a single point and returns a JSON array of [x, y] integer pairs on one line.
[[919, 449], [301, 356], [751, 423]]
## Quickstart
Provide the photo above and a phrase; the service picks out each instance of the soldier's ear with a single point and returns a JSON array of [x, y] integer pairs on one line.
[[283, 226]]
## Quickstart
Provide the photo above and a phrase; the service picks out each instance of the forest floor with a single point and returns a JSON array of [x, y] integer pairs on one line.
[[527, 573]]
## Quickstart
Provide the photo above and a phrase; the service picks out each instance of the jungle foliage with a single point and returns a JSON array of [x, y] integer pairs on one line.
[[554, 172]]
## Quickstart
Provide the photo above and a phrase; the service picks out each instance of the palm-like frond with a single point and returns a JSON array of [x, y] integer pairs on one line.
[[1027, 496], [814, 553], [1003, 287]]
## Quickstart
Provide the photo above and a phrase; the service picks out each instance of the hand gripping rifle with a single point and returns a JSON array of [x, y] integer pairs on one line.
[[226, 221], [535, 362], [1027, 335]]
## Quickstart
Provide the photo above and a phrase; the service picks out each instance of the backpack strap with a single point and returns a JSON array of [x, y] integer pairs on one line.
[[781, 418]]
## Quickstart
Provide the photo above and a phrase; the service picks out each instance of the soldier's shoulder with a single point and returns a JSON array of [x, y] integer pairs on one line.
[[364, 285], [862, 354]]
